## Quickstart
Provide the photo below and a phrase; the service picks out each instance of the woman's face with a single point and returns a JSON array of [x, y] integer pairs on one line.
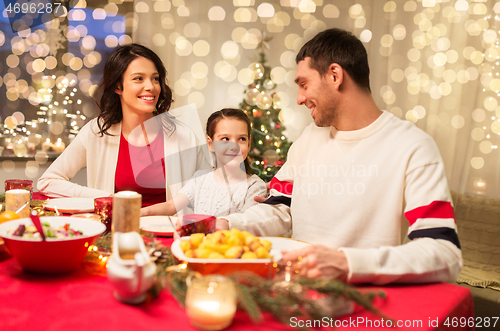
[[140, 88]]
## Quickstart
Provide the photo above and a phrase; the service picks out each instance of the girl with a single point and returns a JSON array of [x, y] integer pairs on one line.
[[228, 189], [124, 148]]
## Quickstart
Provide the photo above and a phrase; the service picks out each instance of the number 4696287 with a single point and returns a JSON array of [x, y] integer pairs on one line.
[[32, 8], [478, 322]]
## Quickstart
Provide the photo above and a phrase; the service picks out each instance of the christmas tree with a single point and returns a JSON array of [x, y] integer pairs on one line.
[[262, 105]]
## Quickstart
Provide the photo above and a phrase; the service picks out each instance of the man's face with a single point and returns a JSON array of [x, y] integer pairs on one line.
[[315, 93]]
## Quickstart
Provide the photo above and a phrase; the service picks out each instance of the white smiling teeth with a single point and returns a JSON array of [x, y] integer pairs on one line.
[[148, 98]]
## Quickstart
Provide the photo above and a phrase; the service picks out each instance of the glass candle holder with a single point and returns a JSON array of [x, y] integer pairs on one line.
[[104, 208], [195, 223], [211, 302], [88, 216], [15, 199], [19, 184]]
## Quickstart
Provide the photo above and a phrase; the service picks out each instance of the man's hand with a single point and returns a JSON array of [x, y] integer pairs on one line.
[[221, 224], [321, 261], [261, 199]]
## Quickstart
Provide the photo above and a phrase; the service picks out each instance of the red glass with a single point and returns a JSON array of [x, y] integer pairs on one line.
[[104, 208], [196, 223], [19, 184]]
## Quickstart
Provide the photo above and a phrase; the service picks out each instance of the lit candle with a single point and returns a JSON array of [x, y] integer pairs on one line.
[[126, 212], [46, 146], [59, 146], [211, 302]]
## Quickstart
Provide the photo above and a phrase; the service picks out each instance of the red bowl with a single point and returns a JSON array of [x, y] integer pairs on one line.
[[52, 256]]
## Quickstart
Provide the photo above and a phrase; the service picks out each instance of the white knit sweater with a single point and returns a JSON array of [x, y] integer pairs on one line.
[[184, 155], [350, 191]]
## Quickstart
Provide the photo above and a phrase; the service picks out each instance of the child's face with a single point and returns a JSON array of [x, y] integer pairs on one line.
[[230, 142]]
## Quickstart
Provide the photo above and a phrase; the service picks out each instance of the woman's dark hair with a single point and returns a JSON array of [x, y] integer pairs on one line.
[[234, 113], [105, 96], [341, 47]]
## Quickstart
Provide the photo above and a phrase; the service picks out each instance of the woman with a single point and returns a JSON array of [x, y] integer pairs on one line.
[[134, 143]]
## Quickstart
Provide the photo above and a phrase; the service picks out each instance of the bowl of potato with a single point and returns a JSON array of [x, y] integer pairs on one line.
[[232, 250]]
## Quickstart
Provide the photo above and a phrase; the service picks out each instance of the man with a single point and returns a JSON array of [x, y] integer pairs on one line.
[[352, 175]]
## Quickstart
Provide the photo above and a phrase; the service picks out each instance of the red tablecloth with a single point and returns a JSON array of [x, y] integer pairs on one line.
[[80, 301]]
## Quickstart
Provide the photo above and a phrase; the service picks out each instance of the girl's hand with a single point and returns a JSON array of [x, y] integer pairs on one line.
[[221, 224]]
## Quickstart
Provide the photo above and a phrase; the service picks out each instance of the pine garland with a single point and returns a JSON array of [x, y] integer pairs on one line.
[[256, 294]]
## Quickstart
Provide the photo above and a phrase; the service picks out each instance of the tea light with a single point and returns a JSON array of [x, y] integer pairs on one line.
[[15, 199], [126, 212], [59, 146], [211, 302], [47, 145]]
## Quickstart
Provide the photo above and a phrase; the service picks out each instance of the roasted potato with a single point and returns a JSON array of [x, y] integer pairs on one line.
[[227, 244]]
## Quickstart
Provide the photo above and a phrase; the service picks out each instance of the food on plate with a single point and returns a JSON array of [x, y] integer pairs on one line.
[[226, 244], [30, 231], [8, 216]]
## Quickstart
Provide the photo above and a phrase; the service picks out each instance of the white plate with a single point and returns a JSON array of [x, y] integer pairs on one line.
[[279, 244], [71, 205], [158, 225]]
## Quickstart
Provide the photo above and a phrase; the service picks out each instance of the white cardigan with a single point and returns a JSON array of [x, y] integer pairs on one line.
[[184, 155]]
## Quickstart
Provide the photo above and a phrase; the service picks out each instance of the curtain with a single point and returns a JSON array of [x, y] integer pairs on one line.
[[433, 62]]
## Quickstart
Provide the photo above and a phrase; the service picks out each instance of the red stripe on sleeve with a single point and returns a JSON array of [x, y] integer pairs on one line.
[[282, 187], [436, 209]]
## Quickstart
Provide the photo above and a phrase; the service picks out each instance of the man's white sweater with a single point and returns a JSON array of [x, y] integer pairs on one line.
[[348, 190]]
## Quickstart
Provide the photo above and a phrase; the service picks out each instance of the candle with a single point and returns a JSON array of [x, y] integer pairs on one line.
[[23, 184], [46, 146], [126, 212], [59, 146], [15, 199], [211, 302]]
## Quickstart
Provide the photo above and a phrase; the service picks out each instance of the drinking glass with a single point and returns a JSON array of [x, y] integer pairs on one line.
[[19, 184], [15, 199]]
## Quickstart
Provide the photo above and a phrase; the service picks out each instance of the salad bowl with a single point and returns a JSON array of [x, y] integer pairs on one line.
[[53, 255]]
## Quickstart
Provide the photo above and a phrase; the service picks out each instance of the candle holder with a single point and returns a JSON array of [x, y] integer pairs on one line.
[[210, 302], [194, 223], [104, 208], [126, 212], [15, 199], [19, 184], [286, 272], [89, 216]]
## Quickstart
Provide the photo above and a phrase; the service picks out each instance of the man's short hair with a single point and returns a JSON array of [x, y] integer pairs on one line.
[[341, 47]]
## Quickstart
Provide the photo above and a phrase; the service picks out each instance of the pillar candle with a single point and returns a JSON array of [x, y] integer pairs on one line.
[[126, 211]]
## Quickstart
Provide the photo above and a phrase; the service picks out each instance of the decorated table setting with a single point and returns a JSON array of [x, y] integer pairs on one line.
[[117, 270]]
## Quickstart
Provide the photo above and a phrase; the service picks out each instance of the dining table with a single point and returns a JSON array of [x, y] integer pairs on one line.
[[82, 300]]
